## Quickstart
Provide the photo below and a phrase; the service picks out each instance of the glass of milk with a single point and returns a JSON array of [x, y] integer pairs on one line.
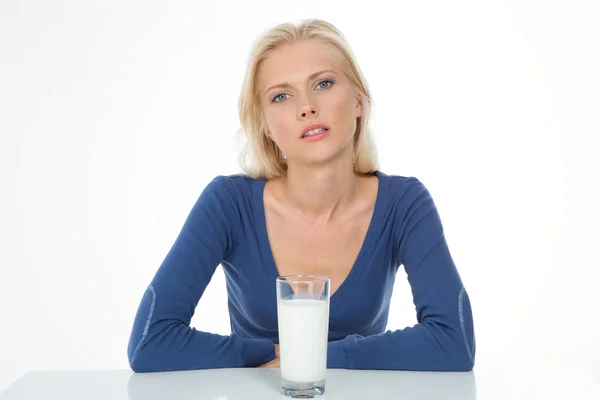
[[303, 319]]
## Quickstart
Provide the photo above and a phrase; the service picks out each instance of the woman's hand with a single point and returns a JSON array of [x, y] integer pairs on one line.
[[273, 363]]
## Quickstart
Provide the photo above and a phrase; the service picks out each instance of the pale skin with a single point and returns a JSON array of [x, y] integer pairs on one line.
[[318, 213]]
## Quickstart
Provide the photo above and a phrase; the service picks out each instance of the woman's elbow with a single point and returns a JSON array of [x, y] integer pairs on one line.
[[142, 354], [465, 336], [464, 365], [147, 359], [136, 360], [463, 357], [142, 327], [139, 368]]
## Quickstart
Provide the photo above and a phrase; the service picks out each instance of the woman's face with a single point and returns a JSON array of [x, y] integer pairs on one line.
[[314, 91]]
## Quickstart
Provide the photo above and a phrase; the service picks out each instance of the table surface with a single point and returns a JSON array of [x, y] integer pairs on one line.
[[259, 383]]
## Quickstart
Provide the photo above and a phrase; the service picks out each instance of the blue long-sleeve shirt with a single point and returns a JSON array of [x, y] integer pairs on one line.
[[227, 226]]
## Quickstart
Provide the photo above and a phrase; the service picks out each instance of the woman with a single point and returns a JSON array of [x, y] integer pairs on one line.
[[312, 201]]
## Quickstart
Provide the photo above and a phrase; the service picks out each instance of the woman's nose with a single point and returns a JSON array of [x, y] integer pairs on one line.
[[304, 111]]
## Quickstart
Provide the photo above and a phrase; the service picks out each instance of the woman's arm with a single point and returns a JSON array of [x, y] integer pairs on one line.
[[443, 339], [161, 338]]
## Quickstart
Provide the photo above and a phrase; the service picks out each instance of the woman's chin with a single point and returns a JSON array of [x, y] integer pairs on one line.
[[323, 159]]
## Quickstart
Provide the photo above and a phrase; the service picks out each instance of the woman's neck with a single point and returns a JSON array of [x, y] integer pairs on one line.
[[320, 193]]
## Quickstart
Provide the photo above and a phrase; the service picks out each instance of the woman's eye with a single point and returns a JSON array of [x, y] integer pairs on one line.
[[325, 81], [278, 99], [278, 96]]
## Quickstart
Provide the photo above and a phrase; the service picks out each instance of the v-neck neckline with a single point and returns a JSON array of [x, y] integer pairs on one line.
[[361, 259]]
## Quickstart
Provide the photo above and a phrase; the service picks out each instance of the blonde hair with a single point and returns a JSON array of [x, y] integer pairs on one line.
[[260, 157]]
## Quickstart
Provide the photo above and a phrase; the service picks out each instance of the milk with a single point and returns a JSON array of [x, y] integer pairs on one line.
[[303, 330]]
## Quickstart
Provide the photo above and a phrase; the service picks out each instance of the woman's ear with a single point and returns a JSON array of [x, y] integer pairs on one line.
[[358, 109], [265, 130]]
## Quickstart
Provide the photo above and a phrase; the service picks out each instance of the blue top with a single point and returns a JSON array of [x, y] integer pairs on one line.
[[227, 225]]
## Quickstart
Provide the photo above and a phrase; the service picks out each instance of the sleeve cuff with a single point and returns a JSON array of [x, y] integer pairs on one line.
[[337, 357], [258, 351]]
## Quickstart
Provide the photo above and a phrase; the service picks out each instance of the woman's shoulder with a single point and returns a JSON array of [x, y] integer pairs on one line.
[[233, 188], [400, 187], [408, 199]]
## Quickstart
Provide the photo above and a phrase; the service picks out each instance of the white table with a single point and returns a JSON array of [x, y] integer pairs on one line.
[[245, 383]]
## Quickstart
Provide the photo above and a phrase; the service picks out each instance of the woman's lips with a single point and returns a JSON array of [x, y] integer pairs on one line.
[[316, 137]]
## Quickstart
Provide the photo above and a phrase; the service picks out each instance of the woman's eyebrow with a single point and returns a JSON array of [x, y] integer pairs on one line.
[[312, 76]]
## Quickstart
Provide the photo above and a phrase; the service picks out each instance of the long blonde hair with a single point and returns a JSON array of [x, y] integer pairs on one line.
[[260, 157]]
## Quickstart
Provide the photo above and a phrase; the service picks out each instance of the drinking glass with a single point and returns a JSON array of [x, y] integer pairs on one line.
[[303, 322]]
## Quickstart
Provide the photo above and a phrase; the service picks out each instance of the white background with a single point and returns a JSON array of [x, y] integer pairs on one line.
[[113, 118]]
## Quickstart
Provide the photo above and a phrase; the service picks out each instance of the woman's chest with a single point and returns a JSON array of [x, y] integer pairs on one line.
[[320, 254], [359, 306], [329, 250]]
